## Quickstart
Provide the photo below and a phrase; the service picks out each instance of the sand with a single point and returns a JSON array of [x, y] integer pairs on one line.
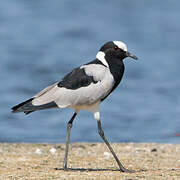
[[89, 161]]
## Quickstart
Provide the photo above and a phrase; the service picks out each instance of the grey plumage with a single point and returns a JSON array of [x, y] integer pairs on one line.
[[81, 98], [67, 98]]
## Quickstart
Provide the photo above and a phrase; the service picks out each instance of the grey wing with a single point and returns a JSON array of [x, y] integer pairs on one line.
[[87, 93], [45, 96]]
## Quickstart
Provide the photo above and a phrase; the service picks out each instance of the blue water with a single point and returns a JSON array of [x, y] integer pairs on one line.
[[41, 41]]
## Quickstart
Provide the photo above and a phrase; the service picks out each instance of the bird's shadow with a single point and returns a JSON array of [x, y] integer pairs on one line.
[[85, 169], [90, 169]]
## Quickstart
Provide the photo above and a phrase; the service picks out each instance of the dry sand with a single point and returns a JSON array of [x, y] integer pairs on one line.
[[89, 161]]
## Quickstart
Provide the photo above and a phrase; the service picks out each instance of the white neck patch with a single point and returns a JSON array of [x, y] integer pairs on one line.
[[101, 56], [121, 45]]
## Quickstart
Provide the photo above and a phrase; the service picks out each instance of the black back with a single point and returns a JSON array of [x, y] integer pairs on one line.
[[75, 79]]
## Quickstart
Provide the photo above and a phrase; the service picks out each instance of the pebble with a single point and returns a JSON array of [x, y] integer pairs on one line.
[[38, 151], [108, 155], [52, 151]]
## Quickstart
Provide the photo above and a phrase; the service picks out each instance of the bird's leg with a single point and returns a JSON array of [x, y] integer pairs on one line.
[[101, 133], [69, 126]]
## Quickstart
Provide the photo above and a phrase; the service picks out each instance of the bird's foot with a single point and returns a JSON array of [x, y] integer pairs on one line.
[[127, 170], [65, 167]]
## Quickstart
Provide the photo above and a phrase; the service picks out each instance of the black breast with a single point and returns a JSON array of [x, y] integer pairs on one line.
[[117, 70]]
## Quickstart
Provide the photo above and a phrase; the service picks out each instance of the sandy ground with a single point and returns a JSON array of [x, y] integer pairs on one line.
[[89, 161]]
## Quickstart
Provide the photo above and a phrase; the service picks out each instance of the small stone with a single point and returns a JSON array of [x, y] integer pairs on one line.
[[154, 150], [92, 145], [38, 151], [52, 151], [108, 155]]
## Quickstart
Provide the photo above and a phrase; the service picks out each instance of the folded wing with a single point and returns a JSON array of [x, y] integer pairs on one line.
[[84, 85]]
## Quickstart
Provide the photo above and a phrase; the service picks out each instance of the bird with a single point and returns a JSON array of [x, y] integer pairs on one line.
[[84, 88]]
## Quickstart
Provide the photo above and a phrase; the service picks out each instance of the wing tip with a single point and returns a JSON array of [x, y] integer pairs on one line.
[[19, 107]]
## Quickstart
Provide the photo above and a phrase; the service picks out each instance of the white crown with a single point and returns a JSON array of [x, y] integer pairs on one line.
[[121, 45]]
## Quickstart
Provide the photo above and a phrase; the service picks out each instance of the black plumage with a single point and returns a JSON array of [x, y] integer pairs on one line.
[[77, 78], [27, 106]]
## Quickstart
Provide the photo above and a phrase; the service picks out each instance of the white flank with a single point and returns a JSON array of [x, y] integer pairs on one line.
[[121, 45], [101, 56], [97, 116]]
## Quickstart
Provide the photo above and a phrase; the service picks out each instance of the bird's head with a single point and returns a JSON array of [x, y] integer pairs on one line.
[[114, 49]]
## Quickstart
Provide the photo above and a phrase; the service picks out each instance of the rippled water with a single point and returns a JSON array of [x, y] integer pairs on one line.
[[40, 41]]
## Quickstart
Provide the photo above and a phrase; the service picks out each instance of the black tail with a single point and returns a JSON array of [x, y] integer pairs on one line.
[[27, 107], [23, 107]]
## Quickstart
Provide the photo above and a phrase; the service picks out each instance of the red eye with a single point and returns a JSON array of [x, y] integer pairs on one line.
[[116, 48]]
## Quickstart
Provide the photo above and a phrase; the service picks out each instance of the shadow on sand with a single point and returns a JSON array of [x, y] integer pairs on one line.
[[86, 169], [91, 169]]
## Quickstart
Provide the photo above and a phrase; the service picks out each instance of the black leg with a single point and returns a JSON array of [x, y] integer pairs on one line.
[[101, 133], [69, 126]]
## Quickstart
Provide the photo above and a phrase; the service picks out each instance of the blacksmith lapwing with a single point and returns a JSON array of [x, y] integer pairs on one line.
[[84, 88]]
